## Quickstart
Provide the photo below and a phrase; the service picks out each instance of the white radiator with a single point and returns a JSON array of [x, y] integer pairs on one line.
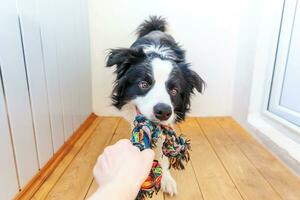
[[45, 83]]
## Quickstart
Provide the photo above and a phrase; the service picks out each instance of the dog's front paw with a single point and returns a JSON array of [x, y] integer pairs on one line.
[[168, 185]]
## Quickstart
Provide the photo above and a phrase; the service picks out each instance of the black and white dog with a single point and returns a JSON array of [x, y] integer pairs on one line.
[[154, 79]]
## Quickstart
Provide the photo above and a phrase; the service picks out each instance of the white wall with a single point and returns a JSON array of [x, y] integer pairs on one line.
[[246, 52], [277, 134], [208, 30], [45, 84], [258, 37]]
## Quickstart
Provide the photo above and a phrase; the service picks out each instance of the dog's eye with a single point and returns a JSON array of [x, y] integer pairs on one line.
[[174, 91], [144, 85]]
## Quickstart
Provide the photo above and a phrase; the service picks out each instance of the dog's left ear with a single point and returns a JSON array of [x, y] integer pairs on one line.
[[192, 78], [196, 81]]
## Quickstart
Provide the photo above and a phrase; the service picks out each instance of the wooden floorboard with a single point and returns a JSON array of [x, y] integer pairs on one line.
[[58, 172], [213, 179], [77, 177], [250, 183], [227, 164], [187, 184], [282, 180], [123, 131]]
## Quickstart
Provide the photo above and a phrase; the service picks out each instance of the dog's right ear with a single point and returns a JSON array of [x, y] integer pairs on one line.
[[117, 56], [123, 58]]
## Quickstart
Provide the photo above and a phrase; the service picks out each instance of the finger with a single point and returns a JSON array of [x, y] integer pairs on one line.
[[147, 160], [96, 169], [108, 150], [123, 142], [148, 156], [99, 158], [107, 158], [134, 149]]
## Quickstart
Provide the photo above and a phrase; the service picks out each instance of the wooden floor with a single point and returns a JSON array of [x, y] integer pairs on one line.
[[227, 163]]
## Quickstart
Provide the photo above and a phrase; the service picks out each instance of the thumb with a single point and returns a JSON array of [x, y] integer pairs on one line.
[[148, 156]]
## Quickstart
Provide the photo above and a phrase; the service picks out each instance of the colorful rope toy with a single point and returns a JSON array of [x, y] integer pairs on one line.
[[145, 135]]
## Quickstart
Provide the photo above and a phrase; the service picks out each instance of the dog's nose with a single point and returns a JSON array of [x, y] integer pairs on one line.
[[162, 111]]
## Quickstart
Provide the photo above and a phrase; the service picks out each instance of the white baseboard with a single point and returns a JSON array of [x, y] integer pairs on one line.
[[279, 140]]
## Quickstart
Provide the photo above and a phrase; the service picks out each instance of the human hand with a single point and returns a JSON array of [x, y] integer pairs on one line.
[[123, 167]]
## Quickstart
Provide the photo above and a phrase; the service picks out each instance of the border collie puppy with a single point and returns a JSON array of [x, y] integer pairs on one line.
[[153, 78]]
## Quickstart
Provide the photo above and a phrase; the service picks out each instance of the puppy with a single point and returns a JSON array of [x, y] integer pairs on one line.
[[153, 78]]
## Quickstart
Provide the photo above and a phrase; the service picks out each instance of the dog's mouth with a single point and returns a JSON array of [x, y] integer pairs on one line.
[[138, 112], [152, 117]]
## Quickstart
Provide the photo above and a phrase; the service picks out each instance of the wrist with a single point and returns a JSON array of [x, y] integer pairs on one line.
[[117, 190], [128, 189]]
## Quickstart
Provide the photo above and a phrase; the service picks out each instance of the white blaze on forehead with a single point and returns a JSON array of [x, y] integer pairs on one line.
[[158, 93], [163, 51], [161, 70]]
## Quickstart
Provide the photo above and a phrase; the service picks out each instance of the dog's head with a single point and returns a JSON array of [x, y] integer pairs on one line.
[[160, 88]]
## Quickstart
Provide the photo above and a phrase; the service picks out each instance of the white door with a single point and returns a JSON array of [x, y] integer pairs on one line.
[[285, 91]]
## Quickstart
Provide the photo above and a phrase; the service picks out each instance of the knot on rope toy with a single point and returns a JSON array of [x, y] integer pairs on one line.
[[145, 135]]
